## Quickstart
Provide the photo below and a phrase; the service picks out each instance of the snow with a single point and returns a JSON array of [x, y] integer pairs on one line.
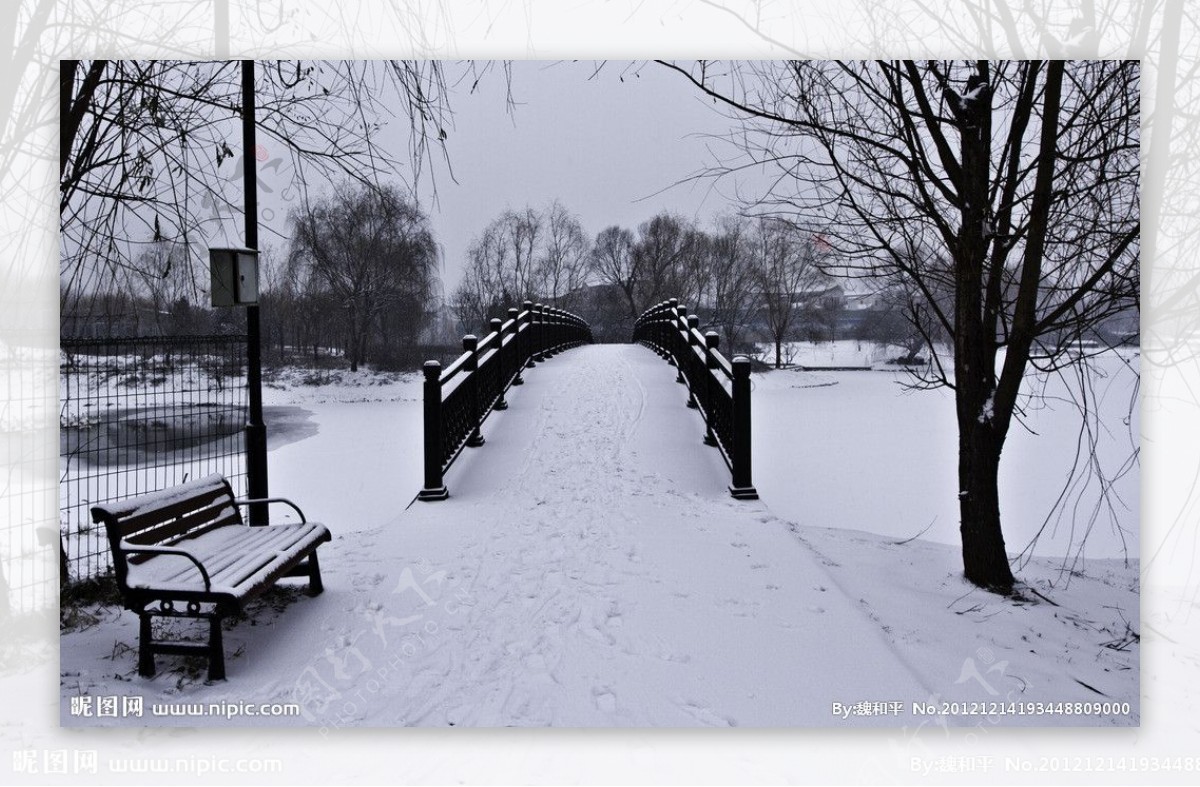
[[162, 498], [867, 452], [236, 558], [590, 569], [842, 354]]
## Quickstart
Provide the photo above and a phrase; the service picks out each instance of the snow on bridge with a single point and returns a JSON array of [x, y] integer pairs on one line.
[[607, 577]]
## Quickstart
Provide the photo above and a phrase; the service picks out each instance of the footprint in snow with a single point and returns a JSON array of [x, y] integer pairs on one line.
[[707, 716], [605, 700]]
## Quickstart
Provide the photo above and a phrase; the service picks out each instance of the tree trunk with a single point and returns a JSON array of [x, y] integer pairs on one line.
[[778, 353], [980, 437], [985, 561]]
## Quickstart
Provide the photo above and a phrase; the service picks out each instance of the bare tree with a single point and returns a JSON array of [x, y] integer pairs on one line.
[[525, 254], [787, 276], [728, 281], [373, 250], [613, 263], [1023, 175], [666, 256], [562, 266], [502, 267]]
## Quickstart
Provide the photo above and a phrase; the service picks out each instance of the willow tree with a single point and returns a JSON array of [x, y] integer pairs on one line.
[[1011, 185], [372, 250]]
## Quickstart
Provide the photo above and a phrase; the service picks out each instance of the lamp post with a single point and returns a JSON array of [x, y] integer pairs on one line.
[[256, 430], [234, 273]]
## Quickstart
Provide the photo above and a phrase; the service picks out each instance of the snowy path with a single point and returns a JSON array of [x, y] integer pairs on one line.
[[589, 569]]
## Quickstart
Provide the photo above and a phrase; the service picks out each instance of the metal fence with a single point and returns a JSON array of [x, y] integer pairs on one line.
[[140, 414]]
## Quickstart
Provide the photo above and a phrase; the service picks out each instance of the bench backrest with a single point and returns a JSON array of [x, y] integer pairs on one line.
[[166, 516]]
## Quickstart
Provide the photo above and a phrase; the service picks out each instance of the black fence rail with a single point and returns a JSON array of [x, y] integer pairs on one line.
[[140, 414], [459, 399], [718, 388]]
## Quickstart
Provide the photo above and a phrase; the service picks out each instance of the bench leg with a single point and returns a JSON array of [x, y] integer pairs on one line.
[[145, 647], [216, 650], [315, 586]]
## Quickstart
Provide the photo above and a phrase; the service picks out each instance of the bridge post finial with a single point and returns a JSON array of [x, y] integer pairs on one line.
[[435, 488]]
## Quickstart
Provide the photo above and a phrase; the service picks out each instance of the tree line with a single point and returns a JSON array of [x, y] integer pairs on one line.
[[358, 281], [751, 279]]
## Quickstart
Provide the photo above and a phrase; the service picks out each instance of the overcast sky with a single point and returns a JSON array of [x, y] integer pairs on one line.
[[608, 145]]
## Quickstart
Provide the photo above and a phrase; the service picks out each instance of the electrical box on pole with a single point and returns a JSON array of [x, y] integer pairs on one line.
[[234, 276]]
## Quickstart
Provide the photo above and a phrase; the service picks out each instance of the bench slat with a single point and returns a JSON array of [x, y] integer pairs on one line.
[[146, 518], [219, 513], [148, 500], [238, 562], [230, 554]]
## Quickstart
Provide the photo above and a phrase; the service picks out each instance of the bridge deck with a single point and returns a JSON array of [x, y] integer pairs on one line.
[[590, 569]]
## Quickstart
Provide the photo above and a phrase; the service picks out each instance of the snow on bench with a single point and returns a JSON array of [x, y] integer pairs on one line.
[[187, 545]]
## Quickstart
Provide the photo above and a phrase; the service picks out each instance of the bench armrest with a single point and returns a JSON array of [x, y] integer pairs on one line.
[[128, 548], [284, 500]]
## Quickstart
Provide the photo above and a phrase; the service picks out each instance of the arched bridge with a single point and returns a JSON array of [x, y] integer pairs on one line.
[[459, 398]]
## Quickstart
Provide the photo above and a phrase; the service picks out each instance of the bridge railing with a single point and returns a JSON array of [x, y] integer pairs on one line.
[[718, 388], [458, 399]]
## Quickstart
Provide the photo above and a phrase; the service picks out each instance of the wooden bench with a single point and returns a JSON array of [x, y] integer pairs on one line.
[[185, 552]]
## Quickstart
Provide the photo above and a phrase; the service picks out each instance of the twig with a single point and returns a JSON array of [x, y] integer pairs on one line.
[[918, 535]]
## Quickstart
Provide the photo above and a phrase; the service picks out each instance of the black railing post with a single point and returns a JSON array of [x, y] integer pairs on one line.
[[693, 325], [518, 357], [548, 324], [743, 487], [539, 311], [497, 326], [673, 314], [471, 345], [555, 328], [435, 488], [530, 339], [678, 339], [711, 340]]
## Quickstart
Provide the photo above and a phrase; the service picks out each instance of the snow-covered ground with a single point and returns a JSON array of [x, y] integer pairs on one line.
[[841, 354], [866, 451], [590, 569]]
